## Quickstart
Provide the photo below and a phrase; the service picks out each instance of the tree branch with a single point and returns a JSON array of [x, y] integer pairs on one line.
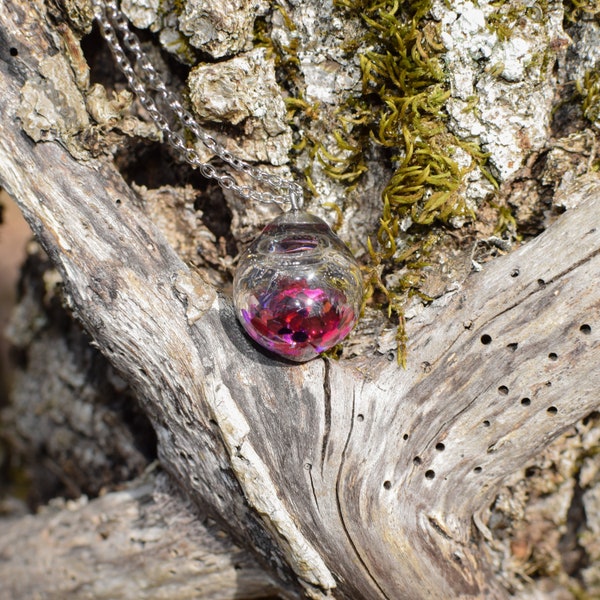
[[143, 542], [355, 480]]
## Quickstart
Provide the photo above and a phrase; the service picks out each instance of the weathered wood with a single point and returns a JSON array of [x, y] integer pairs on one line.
[[145, 541], [334, 473]]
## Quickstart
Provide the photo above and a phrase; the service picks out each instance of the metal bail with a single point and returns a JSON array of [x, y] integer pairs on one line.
[[296, 197]]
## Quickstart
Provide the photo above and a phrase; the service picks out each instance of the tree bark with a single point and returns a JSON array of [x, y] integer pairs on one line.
[[145, 541], [347, 480]]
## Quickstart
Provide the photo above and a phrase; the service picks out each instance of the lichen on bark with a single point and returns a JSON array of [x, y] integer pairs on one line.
[[545, 520], [243, 92], [403, 119]]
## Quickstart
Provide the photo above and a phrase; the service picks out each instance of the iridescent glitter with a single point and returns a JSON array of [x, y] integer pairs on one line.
[[298, 289]]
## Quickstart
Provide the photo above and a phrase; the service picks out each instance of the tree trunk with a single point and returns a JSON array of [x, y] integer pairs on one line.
[[351, 479]]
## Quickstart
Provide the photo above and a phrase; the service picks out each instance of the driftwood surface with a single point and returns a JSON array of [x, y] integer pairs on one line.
[[349, 480]]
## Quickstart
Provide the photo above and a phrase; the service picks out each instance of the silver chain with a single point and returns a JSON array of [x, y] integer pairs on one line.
[[112, 23]]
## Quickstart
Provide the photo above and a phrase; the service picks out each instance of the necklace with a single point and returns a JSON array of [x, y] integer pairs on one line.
[[298, 289]]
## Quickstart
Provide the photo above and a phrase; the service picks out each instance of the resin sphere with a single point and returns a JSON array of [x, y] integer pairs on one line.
[[298, 289]]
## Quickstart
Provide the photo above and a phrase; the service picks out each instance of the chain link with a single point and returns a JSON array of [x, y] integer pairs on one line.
[[114, 23]]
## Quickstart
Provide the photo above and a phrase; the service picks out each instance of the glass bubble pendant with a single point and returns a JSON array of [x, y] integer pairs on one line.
[[298, 289]]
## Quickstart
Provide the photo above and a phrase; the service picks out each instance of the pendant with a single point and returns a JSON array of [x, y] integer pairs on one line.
[[298, 289]]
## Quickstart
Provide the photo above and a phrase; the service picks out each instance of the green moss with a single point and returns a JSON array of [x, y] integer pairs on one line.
[[506, 221], [404, 91], [503, 20], [589, 90], [401, 109], [499, 24], [184, 51], [578, 9], [285, 56], [176, 6]]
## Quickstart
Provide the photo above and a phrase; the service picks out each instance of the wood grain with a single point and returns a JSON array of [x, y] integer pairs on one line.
[[350, 480]]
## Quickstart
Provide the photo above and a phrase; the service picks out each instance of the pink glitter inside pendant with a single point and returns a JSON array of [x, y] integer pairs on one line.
[[298, 289]]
